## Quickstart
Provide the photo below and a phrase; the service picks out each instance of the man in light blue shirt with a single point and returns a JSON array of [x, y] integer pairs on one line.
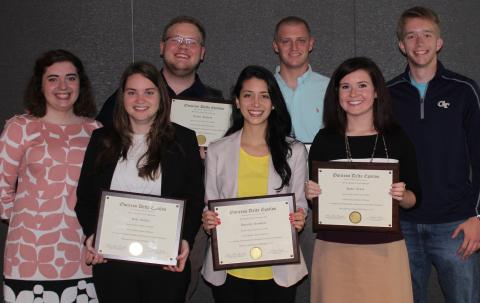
[[302, 88]]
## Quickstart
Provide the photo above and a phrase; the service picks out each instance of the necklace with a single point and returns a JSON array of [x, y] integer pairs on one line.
[[349, 152]]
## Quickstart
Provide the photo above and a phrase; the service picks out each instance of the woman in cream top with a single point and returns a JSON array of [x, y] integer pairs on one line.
[[256, 158]]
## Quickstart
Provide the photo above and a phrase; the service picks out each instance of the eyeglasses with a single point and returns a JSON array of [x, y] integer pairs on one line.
[[179, 40]]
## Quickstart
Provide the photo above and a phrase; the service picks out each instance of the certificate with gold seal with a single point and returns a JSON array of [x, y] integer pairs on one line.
[[139, 228], [254, 231], [355, 196], [209, 119]]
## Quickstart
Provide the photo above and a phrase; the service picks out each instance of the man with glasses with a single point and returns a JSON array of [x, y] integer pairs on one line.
[[302, 88], [182, 49]]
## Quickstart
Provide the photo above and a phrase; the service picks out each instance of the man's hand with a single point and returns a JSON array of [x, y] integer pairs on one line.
[[471, 240]]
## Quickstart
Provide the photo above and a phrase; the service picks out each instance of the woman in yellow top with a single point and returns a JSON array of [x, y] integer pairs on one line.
[[256, 158]]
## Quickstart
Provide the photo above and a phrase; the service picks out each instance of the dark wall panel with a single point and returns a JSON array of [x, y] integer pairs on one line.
[[239, 33], [376, 23], [93, 30]]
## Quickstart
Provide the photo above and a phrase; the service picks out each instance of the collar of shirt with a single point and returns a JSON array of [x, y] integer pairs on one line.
[[438, 74], [197, 90], [300, 80]]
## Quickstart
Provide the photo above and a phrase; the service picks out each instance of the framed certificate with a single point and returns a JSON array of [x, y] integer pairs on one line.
[[139, 228], [209, 119], [355, 196], [255, 231]]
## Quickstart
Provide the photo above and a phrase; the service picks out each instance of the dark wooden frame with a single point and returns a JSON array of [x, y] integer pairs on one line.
[[394, 167], [213, 204], [144, 197]]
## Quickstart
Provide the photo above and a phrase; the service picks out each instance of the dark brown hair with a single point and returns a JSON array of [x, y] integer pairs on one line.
[[334, 117], [34, 99], [279, 123], [161, 131]]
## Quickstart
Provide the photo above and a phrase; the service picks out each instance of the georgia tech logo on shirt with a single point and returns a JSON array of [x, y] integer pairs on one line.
[[443, 104]]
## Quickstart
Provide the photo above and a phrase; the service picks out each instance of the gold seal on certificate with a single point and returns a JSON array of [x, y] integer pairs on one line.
[[139, 228], [355, 217], [355, 195], [209, 119], [201, 139], [255, 253], [255, 231]]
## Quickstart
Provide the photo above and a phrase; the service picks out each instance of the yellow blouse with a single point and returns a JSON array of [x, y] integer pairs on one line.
[[252, 181]]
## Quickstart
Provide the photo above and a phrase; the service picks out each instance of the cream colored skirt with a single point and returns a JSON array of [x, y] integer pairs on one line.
[[360, 273]]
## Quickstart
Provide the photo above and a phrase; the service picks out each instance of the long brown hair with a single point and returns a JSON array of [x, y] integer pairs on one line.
[[161, 131], [279, 121]]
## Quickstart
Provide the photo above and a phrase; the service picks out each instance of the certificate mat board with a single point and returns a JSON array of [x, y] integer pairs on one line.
[[355, 196], [139, 228], [254, 231], [209, 119]]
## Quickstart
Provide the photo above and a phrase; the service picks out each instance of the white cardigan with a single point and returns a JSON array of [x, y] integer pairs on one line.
[[221, 173]]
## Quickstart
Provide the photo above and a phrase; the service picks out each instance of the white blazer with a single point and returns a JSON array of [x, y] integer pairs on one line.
[[221, 174]]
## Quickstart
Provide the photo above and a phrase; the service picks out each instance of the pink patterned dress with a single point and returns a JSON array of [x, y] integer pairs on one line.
[[39, 169]]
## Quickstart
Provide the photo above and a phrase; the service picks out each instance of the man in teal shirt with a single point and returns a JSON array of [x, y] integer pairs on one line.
[[302, 88]]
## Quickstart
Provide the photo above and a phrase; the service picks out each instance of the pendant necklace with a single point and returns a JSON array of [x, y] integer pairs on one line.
[[349, 153]]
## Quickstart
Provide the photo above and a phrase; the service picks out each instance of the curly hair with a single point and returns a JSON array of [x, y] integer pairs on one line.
[[34, 99]]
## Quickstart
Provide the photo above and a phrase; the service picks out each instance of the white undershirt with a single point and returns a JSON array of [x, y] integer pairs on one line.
[[125, 176], [374, 160]]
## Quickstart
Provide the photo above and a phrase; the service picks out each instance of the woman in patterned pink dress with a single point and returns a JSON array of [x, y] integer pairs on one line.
[[41, 154]]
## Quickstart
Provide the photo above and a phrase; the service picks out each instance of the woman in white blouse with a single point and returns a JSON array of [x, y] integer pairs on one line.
[[143, 152]]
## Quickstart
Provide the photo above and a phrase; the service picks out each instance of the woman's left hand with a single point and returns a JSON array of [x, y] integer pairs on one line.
[[397, 191], [181, 259], [298, 219], [92, 256]]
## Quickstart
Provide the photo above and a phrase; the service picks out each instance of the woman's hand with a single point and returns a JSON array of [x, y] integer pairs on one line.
[[312, 190], [203, 152], [298, 219], [210, 220], [181, 259], [397, 191], [405, 197], [92, 256]]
